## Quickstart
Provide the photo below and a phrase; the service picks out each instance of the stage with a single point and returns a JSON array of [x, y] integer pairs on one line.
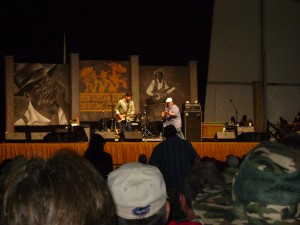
[[122, 152]]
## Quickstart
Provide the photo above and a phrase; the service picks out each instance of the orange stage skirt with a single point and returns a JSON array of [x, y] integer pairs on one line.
[[123, 152]]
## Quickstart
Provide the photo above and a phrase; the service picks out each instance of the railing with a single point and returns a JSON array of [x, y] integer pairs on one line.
[[273, 130]]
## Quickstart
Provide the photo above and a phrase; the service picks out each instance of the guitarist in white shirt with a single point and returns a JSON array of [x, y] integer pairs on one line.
[[125, 112]]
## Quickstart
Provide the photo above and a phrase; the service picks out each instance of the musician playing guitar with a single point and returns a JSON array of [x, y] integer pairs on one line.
[[171, 116], [125, 112]]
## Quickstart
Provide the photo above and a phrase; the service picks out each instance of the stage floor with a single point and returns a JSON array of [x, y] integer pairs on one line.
[[123, 152]]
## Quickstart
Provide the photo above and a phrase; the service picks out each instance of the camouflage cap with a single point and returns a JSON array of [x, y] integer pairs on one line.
[[214, 205], [267, 186], [266, 190]]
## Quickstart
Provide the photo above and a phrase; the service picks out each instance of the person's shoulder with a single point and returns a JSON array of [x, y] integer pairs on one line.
[[187, 142], [160, 145], [106, 154], [188, 145], [171, 139]]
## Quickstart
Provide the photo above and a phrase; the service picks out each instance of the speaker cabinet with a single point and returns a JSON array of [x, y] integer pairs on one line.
[[192, 125]]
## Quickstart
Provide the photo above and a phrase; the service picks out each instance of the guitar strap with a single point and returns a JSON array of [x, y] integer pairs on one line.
[[127, 107]]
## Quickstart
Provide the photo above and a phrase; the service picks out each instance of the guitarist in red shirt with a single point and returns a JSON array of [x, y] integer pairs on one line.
[[125, 112]]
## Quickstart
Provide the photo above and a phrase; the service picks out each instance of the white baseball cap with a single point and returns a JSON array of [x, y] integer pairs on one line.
[[139, 190], [169, 100]]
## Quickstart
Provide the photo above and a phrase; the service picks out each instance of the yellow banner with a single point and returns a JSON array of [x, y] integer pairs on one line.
[[99, 102]]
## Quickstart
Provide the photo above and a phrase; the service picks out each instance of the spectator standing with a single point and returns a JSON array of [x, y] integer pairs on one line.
[[173, 157]]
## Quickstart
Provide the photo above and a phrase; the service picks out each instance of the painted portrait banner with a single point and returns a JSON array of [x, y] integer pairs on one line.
[[159, 83], [41, 94]]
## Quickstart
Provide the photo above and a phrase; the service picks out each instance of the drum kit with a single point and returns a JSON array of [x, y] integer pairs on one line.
[[139, 124]]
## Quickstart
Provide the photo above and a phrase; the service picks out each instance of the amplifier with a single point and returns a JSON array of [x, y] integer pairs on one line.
[[191, 107]]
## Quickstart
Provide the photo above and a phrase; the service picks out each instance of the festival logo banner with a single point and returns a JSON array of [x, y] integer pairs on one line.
[[102, 84]]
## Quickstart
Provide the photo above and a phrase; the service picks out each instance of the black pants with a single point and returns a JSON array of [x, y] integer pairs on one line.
[[126, 126]]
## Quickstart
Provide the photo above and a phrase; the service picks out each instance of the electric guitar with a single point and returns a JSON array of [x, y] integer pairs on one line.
[[122, 116], [164, 117]]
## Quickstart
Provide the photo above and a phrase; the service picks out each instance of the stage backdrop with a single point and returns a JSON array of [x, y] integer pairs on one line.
[[91, 89]]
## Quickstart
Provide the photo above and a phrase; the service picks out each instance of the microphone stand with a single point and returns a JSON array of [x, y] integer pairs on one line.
[[112, 126], [147, 132], [236, 111], [103, 122]]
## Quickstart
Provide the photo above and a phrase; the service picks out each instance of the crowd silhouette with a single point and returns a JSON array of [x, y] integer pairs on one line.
[[175, 186]]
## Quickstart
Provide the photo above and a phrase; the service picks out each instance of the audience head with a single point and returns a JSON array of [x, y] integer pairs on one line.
[[97, 142], [232, 119], [232, 161], [291, 140], [66, 189], [201, 175], [143, 158], [169, 131], [9, 164], [244, 117], [139, 193]]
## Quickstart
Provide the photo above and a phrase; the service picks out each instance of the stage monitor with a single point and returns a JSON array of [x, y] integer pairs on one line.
[[225, 137], [133, 136], [107, 135], [253, 137]]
